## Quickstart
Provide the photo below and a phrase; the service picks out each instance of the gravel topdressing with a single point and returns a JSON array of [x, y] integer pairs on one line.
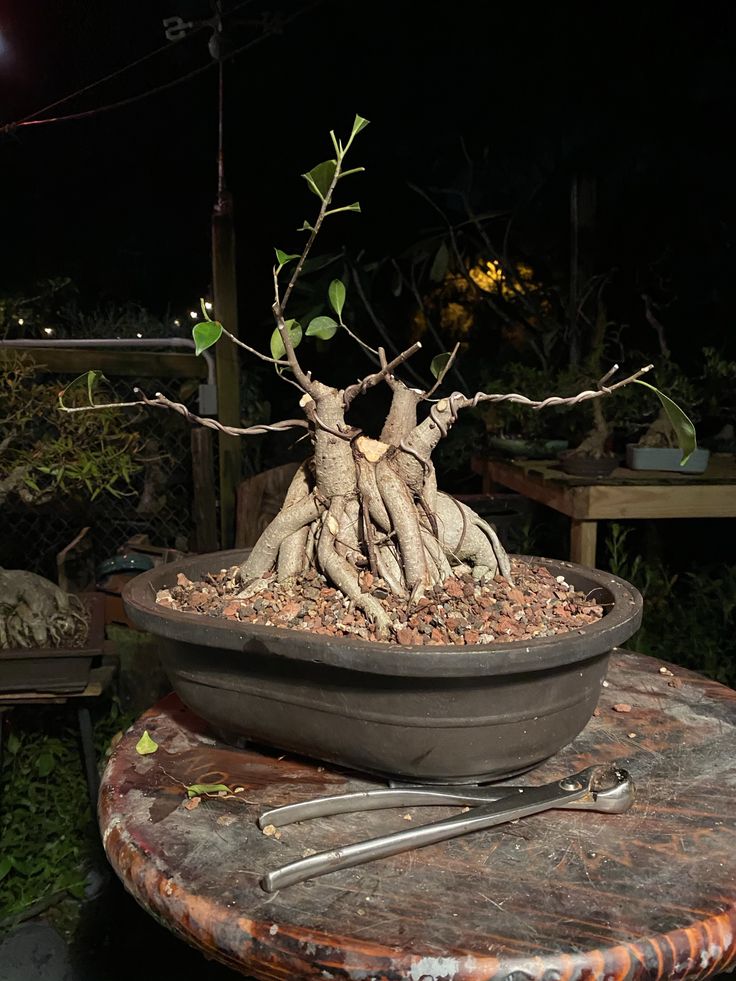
[[460, 611]]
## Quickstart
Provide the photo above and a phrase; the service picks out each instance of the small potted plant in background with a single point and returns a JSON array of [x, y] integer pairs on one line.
[[378, 622], [658, 447]]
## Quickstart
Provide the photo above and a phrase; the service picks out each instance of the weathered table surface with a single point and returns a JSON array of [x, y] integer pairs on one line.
[[623, 494], [560, 896]]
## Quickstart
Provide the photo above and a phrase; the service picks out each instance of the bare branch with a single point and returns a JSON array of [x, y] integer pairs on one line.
[[377, 322], [418, 445], [305, 382], [371, 380], [366, 347], [252, 350], [656, 325], [441, 376], [315, 231], [458, 401], [349, 435], [390, 380], [163, 403]]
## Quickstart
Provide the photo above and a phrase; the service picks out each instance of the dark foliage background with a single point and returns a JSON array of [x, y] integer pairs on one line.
[[639, 95]]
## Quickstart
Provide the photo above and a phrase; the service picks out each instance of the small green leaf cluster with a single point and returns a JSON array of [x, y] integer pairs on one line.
[[321, 181], [43, 820], [50, 453]]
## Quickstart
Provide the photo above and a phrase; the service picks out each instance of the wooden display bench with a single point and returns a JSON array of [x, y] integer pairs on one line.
[[623, 494]]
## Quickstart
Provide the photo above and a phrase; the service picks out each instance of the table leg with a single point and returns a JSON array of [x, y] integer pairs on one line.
[[88, 752], [583, 536]]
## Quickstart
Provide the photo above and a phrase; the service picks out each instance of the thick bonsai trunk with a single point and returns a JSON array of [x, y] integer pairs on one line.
[[363, 505]]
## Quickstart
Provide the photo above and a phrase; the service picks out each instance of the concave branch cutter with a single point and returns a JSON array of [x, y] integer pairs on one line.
[[604, 787]]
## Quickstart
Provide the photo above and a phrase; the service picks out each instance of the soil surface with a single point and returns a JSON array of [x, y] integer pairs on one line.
[[460, 611]]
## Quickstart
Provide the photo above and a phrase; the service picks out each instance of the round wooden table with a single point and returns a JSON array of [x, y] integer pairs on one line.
[[561, 896]]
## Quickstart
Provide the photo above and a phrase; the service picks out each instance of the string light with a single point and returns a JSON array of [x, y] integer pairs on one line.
[[207, 305], [193, 314], [21, 321], [48, 330], [177, 323]]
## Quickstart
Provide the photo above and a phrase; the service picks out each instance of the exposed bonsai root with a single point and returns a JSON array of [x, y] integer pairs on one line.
[[292, 555], [389, 569], [292, 552], [411, 539], [437, 555], [288, 521], [465, 537], [405, 521], [347, 543], [344, 576]]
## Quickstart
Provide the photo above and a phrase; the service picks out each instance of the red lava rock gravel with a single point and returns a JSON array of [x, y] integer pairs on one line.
[[461, 611]]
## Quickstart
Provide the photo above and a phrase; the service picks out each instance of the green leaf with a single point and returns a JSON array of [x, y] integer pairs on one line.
[[92, 378], [205, 335], [440, 264], [277, 345], [359, 123], [282, 257], [682, 425], [355, 206], [206, 788], [320, 177], [322, 327], [439, 363], [145, 745], [45, 764], [336, 294], [305, 227], [13, 744], [89, 379]]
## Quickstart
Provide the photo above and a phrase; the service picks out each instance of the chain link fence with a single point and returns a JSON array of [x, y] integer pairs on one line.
[[157, 504]]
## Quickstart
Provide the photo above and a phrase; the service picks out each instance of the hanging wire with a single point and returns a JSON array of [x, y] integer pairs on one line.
[[87, 113], [101, 81], [10, 128]]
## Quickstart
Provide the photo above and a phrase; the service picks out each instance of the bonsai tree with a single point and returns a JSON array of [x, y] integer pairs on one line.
[[365, 503]]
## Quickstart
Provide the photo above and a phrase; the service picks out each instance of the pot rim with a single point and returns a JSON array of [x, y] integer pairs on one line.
[[590, 640]]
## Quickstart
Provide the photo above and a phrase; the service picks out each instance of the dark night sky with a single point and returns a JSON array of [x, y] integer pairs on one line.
[[641, 95]]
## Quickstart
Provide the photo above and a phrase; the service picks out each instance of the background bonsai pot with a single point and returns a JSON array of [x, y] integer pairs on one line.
[[442, 714], [582, 465], [665, 458]]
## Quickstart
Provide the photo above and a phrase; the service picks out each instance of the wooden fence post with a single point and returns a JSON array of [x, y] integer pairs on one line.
[[228, 366]]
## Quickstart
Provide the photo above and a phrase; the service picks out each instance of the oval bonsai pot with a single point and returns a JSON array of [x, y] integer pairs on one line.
[[579, 465], [429, 714]]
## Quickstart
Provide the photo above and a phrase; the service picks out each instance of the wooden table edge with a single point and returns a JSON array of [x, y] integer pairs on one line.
[[704, 948]]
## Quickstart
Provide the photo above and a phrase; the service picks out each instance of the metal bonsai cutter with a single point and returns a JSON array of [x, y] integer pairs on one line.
[[604, 787]]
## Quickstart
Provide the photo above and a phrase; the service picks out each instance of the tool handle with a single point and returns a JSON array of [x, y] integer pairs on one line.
[[375, 800], [535, 799]]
